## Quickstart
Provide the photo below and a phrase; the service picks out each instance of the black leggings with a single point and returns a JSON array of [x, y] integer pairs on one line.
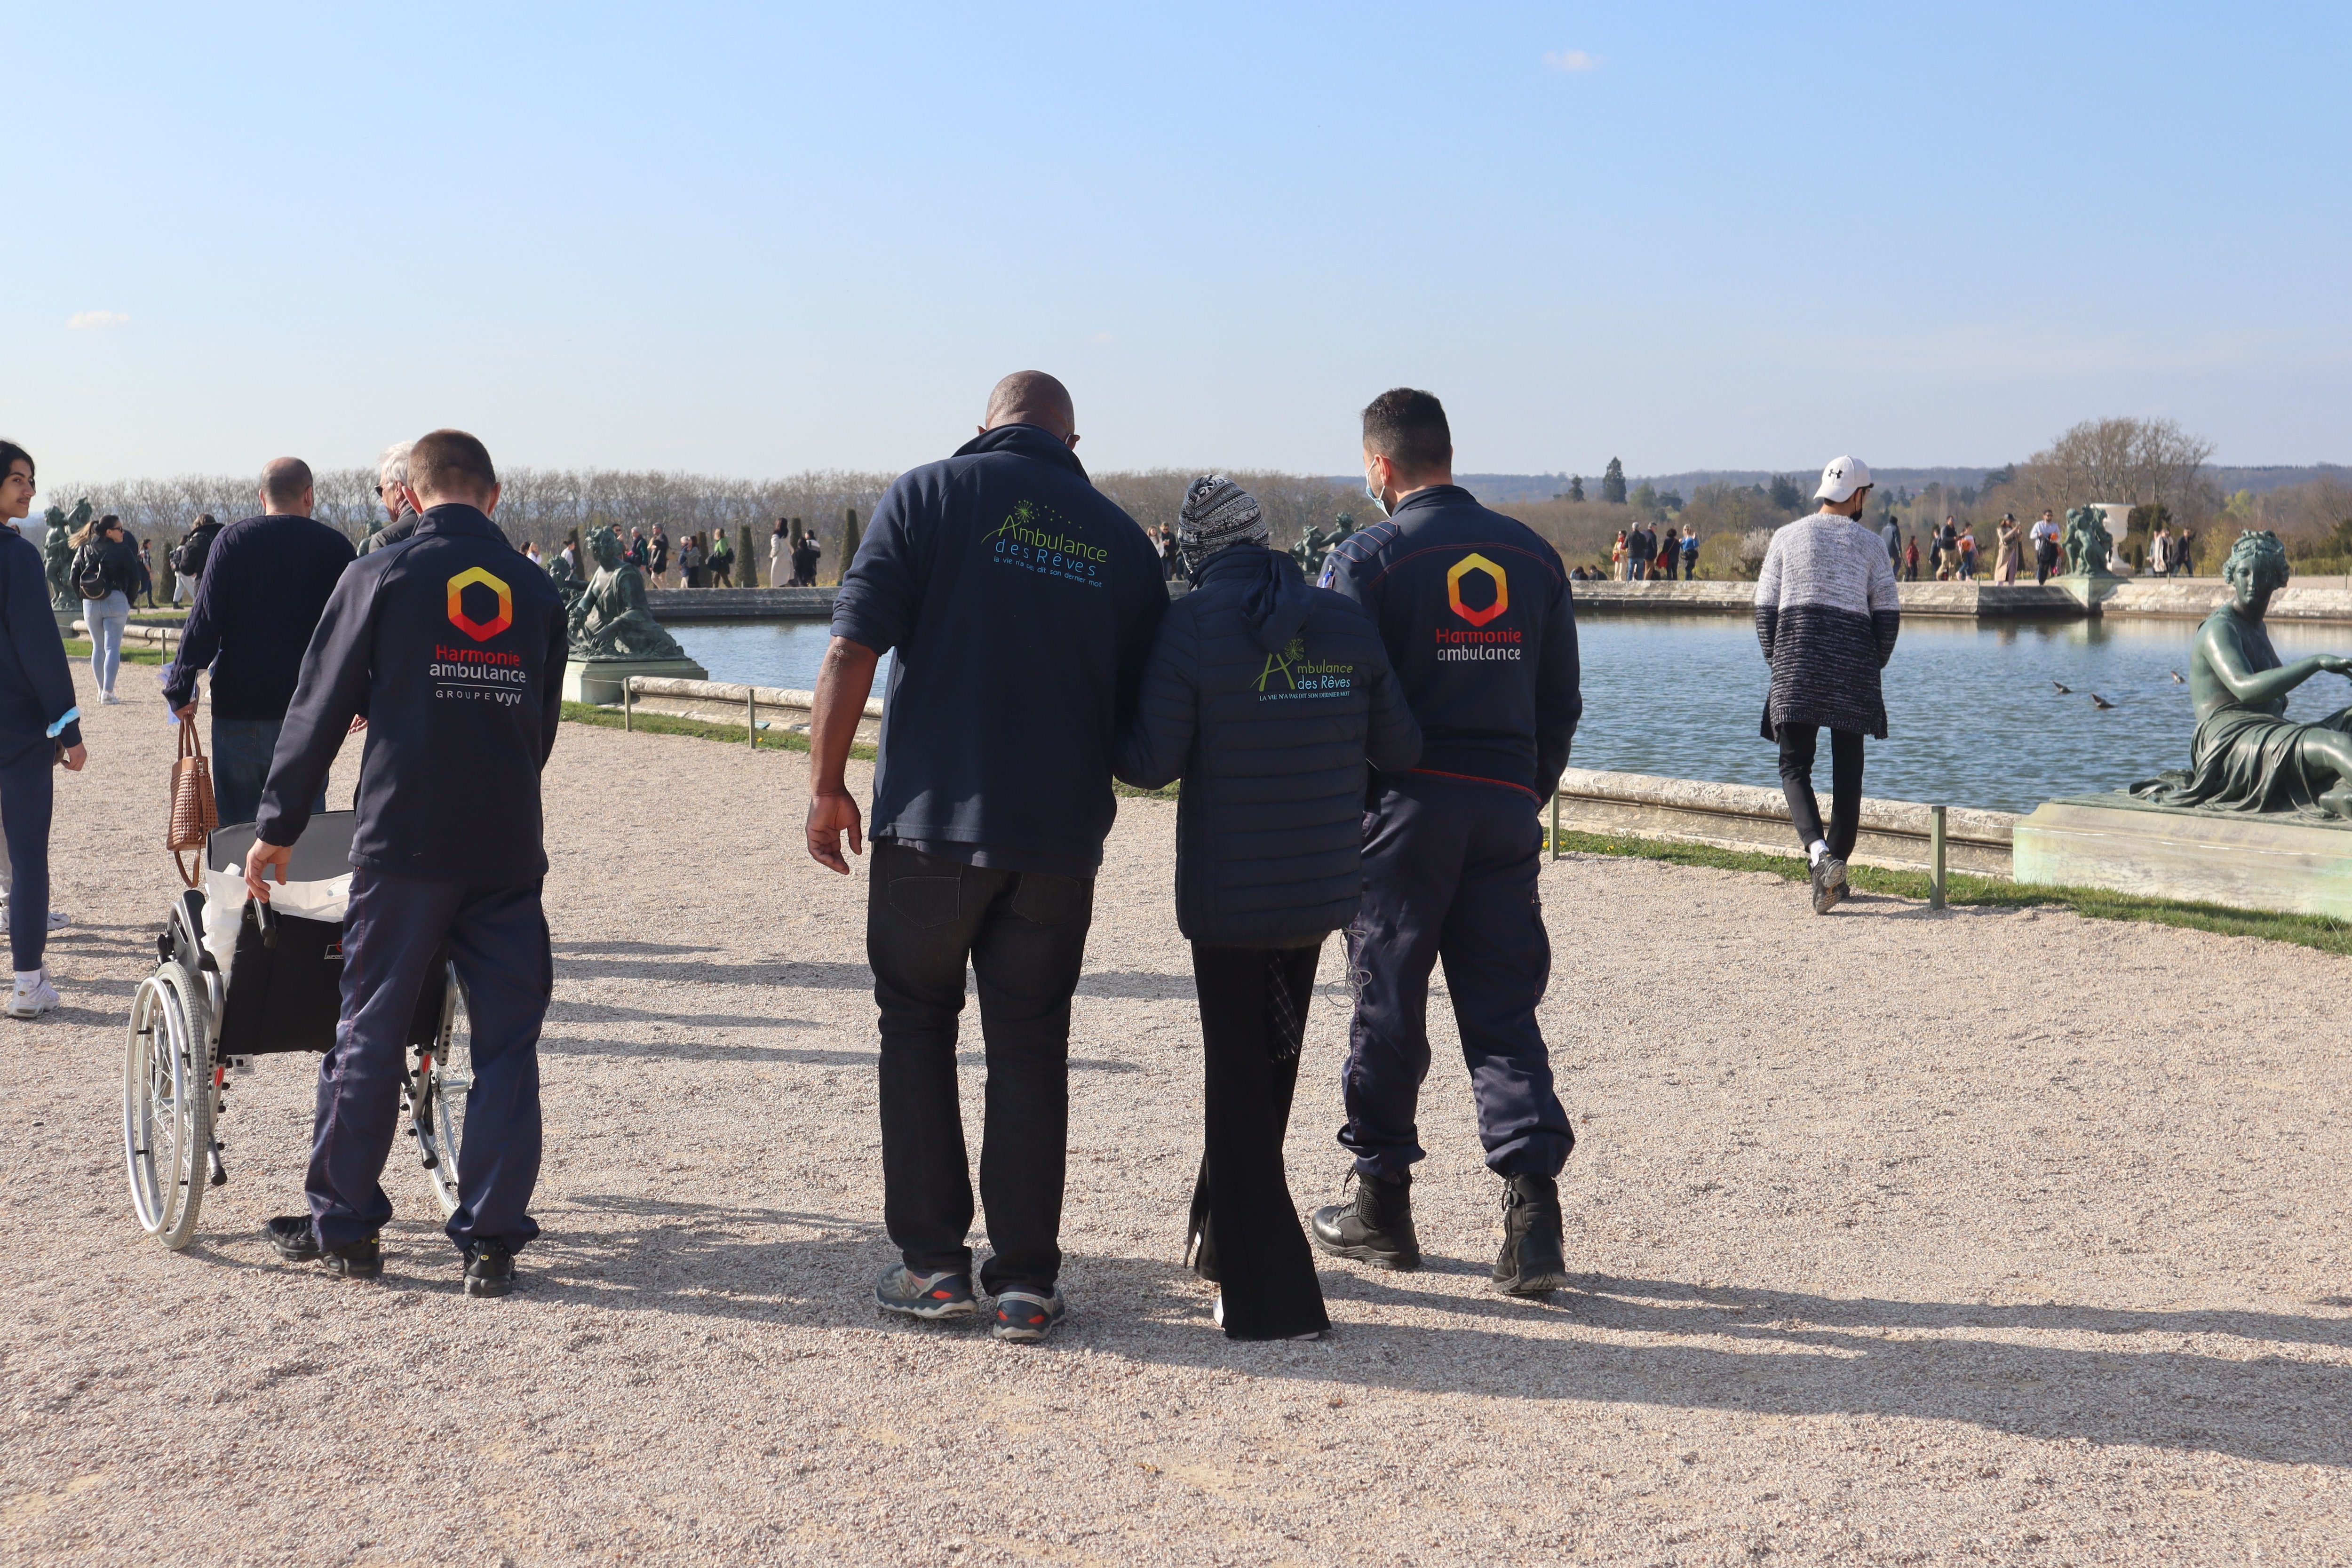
[[1798, 742], [27, 790], [1254, 1004]]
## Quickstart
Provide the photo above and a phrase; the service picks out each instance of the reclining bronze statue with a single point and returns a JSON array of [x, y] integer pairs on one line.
[[609, 618], [2247, 756]]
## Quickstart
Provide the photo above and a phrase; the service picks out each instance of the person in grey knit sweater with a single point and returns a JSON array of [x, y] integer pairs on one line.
[[1827, 612]]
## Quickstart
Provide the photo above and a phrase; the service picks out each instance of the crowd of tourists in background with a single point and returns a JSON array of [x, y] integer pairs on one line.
[[1639, 555], [1948, 552]]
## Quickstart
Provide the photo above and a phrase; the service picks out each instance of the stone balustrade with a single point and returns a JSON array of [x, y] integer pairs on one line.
[[2073, 598], [1895, 834]]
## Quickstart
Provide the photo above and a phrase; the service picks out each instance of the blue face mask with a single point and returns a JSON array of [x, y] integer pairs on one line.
[[1372, 488]]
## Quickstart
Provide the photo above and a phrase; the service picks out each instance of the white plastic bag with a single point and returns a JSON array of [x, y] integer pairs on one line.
[[225, 898]]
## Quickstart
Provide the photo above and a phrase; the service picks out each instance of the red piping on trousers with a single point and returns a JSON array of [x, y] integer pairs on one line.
[[1476, 778]]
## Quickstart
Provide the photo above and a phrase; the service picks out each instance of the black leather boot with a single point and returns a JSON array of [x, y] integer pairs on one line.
[[1533, 1262], [1376, 1227]]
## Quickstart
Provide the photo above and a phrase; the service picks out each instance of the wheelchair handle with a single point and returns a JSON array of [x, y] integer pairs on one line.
[[269, 921]]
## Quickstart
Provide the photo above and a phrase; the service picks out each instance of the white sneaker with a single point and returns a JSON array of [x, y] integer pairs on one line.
[[59, 919], [110, 699], [32, 1001]]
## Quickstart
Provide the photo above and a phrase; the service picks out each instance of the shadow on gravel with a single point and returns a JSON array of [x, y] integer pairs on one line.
[[1129, 984], [816, 976], [598, 1013], [1636, 1342], [724, 1051], [1793, 1354], [625, 947]]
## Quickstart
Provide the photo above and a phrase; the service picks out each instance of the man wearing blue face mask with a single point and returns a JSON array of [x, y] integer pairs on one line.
[[1474, 608]]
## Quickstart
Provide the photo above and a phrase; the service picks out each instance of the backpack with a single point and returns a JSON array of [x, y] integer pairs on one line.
[[188, 555], [90, 577]]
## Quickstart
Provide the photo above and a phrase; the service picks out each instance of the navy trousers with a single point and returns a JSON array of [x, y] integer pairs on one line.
[[1450, 871], [496, 936], [28, 792], [241, 751]]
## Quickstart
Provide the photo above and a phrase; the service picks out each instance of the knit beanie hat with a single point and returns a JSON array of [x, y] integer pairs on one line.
[[1216, 513]]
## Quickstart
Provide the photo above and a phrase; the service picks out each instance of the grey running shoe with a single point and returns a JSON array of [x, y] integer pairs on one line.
[[1027, 1316], [1829, 884], [930, 1296]]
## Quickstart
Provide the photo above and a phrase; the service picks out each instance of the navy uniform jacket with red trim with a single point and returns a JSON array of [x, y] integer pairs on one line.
[[1476, 611], [452, 644]]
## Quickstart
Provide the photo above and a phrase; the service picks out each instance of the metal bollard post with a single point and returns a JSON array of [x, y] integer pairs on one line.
[[628, 702], [752, 717], [1935, 861], [1555, 825]]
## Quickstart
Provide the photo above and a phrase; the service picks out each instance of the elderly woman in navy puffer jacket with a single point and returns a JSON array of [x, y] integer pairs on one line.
[[1270, 699]]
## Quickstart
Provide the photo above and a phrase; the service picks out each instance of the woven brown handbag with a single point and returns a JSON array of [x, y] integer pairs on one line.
[[193, 812]]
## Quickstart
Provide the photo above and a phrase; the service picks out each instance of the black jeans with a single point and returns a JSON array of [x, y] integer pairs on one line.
[[27, 798], [1024, 934], [1253, 1002], [1797, 747]]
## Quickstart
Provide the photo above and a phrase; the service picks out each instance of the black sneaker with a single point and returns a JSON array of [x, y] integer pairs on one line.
[[1828, 883], [1374, 1228], [1531, 1263], [297, 1241], [930, 1296], [1026, 1316], [490, 1267]]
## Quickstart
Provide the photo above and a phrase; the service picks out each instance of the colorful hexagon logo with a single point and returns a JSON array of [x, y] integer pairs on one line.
[[1462, 569], [480, 631]]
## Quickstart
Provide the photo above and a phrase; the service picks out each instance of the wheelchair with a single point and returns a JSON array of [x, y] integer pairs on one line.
[[193, 1023]]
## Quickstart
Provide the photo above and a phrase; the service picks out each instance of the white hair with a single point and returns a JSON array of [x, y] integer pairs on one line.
[[391, 468]]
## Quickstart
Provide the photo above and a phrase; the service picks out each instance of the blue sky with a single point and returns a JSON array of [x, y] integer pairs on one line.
[[757, 239]]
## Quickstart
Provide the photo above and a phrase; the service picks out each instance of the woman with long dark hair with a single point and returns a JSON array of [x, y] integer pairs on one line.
[[105, 573], [39, 729]]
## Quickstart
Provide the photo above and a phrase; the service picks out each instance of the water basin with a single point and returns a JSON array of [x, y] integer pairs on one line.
[[1973, 716]]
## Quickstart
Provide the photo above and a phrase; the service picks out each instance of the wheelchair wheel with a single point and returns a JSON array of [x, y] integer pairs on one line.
[[438, 1096], [167, 1103]]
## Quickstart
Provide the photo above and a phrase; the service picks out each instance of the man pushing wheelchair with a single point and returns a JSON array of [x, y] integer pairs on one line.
[[452, 647]]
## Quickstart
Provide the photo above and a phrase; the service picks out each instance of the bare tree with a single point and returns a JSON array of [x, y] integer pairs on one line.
[[2139, 462]]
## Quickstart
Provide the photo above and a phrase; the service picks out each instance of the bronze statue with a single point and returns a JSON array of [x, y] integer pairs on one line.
[[1308, 551], [2247, 756], [609, 618], [2087, 544], [57, 554], [1311, 552]]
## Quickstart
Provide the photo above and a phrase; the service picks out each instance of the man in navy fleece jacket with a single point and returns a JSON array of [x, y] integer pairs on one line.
[[265, 585], [1475, 612], [452, 647], [1019, 604]]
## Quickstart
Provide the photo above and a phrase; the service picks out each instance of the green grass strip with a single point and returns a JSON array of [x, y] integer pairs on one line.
[[2321, 932], [78, 647]]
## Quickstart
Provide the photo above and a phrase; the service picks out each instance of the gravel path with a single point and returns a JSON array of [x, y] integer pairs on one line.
[[1899, 1238]]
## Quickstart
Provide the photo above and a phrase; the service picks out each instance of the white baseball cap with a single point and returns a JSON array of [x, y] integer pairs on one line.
[[1841, 478]]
